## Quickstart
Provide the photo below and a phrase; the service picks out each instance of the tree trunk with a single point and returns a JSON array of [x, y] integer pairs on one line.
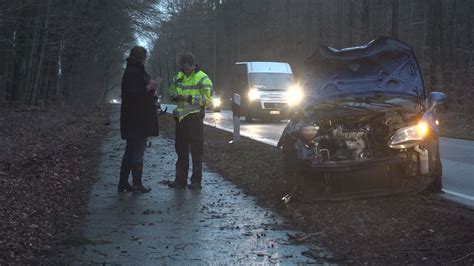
[[3, 85], [34, 96], [395, 18], [26, 90], [59, 73], [46, 85]]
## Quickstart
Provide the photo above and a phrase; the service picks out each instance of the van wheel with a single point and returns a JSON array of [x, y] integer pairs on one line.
[[248, 118]]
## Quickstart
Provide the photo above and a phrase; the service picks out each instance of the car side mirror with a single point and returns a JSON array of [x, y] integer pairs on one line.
[[435, 98]]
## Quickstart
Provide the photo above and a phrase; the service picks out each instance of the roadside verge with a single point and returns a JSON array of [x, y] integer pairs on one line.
[[47, 164], [396, 229]]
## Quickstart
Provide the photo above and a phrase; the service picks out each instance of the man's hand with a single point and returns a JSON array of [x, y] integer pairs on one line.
[[180, 97], [187, 98]]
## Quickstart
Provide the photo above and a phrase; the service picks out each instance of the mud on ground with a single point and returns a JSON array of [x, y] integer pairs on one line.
[[421, 229], [46, 163]]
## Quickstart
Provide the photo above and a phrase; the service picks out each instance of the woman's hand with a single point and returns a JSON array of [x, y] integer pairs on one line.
[[158, 81], [153, 84]]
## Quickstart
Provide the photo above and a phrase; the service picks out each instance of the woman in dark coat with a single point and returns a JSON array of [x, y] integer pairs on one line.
[[138, 118]]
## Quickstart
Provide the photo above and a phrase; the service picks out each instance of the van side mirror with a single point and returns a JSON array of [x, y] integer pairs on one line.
[[435, 98]]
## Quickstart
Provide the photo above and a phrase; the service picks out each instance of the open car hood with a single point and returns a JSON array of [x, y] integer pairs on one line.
[[385, 69]]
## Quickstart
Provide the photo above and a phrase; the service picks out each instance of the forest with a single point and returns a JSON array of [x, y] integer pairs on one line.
[[67, 52], [72, 52], [222, 32]]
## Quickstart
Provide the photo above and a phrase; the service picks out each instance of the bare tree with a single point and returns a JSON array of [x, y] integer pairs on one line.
[[222, 32], [68, 51]]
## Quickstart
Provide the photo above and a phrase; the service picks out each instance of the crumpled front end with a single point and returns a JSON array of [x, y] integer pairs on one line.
[[365, 127], [362, 153]]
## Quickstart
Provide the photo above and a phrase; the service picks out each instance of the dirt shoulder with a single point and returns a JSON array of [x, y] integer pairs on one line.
[[421, 229], [47, 161]]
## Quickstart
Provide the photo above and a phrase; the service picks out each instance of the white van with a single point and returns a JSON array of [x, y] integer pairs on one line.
[[266, 89]]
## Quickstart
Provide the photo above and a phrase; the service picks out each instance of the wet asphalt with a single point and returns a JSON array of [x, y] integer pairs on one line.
[[216, 225]]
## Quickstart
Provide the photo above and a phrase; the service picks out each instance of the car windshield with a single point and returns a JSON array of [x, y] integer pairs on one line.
[[270, 81]]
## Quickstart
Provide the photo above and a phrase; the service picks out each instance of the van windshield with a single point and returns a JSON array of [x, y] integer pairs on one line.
[[270, 81]]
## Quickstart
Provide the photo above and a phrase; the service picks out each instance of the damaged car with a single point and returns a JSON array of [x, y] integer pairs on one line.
[[367, 126]]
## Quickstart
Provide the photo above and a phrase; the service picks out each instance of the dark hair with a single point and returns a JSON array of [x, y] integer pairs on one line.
[[137, 54], [187, 58]]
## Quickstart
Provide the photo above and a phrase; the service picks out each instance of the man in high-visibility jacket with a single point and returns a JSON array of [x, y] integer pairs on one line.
[[192, 91]]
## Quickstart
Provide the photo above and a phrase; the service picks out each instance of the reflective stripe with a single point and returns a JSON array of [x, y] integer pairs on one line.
[[188, 92], [185, 88], [182, 114], [186, 104], [203, 86], [202, 79]]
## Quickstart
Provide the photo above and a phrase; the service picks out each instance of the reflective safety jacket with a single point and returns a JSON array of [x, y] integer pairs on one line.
[[198, 86]]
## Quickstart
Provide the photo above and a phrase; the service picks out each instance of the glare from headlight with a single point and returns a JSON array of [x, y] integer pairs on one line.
[[294, 95], [216, 102], [408, 137], [254, 94], [422, 128]]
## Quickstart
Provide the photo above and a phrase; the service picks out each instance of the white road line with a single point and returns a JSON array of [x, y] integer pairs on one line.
[[457, 194]]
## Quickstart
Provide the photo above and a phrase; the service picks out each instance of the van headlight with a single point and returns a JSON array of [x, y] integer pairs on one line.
[[254, 94], [408, 137], [216, 102], [294, 95]]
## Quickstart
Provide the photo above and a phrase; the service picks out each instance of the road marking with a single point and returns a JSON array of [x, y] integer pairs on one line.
[[457, 194], [458, 140]]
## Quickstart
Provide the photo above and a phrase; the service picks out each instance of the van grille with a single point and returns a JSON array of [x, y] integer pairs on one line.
[[274, 105]]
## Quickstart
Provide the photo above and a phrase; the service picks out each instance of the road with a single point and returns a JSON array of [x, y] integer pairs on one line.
[[217, 225], [457, 155]]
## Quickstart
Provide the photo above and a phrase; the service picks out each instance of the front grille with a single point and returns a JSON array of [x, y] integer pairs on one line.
[[274, 105]]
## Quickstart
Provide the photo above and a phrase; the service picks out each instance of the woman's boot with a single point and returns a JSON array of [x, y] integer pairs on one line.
[[137, 171], [124, 173]]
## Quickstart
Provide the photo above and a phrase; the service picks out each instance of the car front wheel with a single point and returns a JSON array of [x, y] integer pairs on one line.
[[437, 184]]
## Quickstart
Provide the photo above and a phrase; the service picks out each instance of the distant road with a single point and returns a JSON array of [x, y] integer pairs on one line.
[[457, 155]]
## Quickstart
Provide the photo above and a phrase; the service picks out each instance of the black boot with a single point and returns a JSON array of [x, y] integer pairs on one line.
[[137, 171], [181, 179], [124, 173], [175, 184]]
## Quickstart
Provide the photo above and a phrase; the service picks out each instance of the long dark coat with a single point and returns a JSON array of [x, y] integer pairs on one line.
[[138, 113]]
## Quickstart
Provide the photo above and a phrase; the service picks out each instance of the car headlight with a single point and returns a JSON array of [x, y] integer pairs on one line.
[[408, 137], [254, 94], [216, 102], [294, 95]]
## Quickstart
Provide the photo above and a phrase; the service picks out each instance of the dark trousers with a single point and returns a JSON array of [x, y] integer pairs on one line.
[[134, 151], [189, 137]]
